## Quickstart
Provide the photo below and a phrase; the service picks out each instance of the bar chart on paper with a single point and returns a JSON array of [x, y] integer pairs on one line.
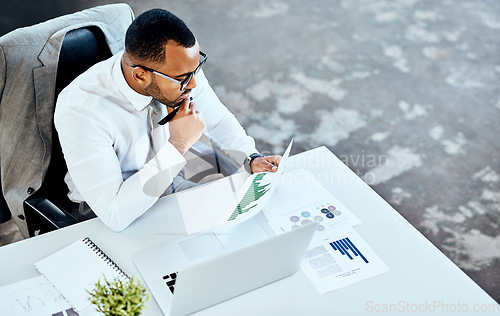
[[344, 246], [341, 259], [260, 190], [256, 190]]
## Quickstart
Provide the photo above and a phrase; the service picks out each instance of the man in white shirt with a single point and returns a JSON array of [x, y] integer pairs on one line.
[[119, 160]]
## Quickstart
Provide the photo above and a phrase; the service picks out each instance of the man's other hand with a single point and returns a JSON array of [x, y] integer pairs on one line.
[[186, 127], [262, 164]]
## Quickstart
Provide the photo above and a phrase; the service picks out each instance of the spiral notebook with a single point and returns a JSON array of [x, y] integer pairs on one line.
[[77, 268]]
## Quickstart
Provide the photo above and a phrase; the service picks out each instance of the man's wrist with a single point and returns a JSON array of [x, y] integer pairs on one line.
[[180, 146], [249, 160]]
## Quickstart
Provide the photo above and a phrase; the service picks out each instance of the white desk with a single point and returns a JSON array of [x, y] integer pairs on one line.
[[420, 276]]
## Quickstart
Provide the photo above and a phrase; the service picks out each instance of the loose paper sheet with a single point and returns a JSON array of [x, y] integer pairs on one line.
[[228, 201], [340, 258], [337, 256], [255, 193], [35, 297], [300, 199]]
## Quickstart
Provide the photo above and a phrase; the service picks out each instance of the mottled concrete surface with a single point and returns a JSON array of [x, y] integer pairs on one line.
[[405, 92]]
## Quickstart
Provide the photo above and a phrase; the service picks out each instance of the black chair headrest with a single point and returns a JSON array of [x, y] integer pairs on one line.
[[81, 49]]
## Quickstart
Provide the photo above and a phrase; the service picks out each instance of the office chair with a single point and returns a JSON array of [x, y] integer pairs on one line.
[[28, 71], [45, 211]]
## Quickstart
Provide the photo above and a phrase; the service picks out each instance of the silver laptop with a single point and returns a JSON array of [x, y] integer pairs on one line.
[[214, 267]]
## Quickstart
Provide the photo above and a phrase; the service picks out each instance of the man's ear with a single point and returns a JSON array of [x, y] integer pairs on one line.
[[140, 75]]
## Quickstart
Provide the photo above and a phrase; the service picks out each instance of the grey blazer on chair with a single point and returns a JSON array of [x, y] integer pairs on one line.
[[28, 68]]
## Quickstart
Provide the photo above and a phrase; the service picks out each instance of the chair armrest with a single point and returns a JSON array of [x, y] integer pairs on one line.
[[42, 215]]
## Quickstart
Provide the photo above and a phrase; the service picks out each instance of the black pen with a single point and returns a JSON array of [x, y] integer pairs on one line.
[[171, 115]]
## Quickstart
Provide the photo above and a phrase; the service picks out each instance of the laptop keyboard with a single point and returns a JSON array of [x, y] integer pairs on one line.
[[170, 281]]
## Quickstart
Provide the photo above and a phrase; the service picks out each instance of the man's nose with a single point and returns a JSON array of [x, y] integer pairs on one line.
[[191, 84]]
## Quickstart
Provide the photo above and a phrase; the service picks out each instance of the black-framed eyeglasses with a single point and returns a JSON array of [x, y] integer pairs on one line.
[[185, 82]]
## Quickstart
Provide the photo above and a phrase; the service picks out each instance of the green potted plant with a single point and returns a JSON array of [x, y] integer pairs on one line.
[[119, 298]]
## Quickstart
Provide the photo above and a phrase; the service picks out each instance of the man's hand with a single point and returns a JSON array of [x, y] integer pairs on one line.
[[186, 127], [262, 164]]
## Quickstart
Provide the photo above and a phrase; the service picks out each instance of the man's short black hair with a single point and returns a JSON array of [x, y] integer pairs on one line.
[[149, 32]]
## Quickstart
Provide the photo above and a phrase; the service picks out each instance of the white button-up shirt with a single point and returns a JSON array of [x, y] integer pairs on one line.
[[103, 129]]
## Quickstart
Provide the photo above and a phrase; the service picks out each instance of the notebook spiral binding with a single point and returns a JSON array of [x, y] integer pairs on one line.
[[105, 257]]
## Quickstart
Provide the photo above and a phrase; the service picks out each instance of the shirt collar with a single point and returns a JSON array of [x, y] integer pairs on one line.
[[139, 101]]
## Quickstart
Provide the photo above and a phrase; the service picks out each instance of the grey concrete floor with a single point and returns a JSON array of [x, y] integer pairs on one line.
[[405, 92]]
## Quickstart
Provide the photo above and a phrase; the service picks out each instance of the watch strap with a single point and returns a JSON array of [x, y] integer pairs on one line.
[[249, 159]]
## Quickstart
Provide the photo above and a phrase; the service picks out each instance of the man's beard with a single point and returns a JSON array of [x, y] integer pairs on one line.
[[153, 90]]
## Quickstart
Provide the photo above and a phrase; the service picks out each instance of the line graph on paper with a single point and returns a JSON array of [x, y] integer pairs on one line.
[[37, 298]]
